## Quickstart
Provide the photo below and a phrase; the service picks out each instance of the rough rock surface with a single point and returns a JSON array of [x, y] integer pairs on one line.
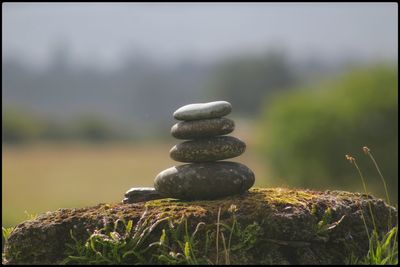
[[202, 128], [289, 220], [208, 149], [209, 180]]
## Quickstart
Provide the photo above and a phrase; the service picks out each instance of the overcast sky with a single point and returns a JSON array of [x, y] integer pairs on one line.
[[103, 33]]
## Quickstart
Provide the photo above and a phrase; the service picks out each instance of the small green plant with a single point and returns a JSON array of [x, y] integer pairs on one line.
[[383, 249], [128, 246], [352, 260], [30, 216], [326, 224], [177, 246], [323, 224], [7, 232], [314, 209], [241, 239]]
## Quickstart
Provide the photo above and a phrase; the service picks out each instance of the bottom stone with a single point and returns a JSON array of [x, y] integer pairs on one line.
[[209, 180]]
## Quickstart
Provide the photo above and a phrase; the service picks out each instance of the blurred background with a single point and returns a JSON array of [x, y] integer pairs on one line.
[[88, 93]]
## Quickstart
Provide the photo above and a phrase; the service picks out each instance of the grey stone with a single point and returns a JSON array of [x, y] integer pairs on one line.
[[200, 111], [202, 128], [208, 149], [209, 180], [140, 194]]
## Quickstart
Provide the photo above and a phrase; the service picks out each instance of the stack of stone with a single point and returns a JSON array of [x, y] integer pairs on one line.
[[205, 177]]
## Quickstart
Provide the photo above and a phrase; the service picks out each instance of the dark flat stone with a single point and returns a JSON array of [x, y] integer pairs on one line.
[[208, 149], [202, 128], [209, 180], [140, 194]]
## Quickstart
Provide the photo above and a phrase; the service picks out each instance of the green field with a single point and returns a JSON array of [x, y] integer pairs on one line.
[[44, 177]]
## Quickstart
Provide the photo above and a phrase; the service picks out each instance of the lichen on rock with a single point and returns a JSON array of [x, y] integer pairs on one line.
[[297, 226]]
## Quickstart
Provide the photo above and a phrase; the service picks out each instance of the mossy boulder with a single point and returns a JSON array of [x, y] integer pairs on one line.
[[296, 226]]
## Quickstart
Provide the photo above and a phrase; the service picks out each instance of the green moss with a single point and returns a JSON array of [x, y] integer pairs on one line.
[[252, 199], [289, 197]]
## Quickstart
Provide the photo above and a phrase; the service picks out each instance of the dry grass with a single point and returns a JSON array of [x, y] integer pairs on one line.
[[43, 177]]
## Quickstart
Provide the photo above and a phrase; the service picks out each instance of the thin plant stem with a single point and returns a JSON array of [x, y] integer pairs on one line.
[[368, 151], [382, 178], [365, 223], [218, 218], [225, 249], [230, 235], [353, 160]]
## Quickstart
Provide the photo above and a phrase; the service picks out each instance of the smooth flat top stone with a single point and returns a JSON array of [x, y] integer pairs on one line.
[[208, 149], [139, 190], [199, 111], [202, 128], [140, 194], [209, 180]]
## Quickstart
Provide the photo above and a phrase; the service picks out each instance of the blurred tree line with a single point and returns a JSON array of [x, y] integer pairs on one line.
[[140, 95], [306, 133], [246, 81], [21, 127]]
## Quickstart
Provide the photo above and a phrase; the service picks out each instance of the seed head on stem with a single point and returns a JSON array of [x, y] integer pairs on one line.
[[366, 150]]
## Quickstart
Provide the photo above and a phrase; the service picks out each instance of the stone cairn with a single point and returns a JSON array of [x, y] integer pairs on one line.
[[206, 176]]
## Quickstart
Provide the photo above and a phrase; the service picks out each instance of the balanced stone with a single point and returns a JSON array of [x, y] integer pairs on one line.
[[140, 194], [200, 111], [208, 180], [208, 149], [202, 128]]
